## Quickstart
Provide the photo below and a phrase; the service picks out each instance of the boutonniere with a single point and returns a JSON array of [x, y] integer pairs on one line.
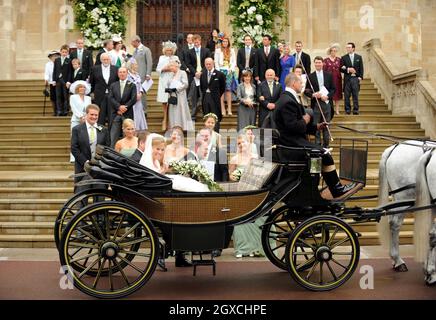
[[99, 128], [213, 150], [213, 74]]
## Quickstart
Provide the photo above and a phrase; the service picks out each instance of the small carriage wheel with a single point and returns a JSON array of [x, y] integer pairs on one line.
[[333, 251], [74, 204], [275, 233], [109, 230]]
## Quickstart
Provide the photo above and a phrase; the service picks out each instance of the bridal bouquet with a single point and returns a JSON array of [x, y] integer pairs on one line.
[[237, 174], [196, 171]]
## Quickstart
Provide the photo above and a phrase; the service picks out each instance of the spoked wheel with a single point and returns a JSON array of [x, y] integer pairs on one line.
[[275, 234], [114, 239], [333, 251], [74, 204]]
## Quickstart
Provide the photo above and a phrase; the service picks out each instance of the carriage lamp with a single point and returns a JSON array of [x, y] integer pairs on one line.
[[315, 165]]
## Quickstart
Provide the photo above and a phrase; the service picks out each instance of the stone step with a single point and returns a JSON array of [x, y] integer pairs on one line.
[[37, 150], [372, 226], [35, 142], [36, 128], [35, 120], [372, 238], [369, 125], [28, 215], [47, 157], [55, 134], [31, 204], [402, 132], [33, 179], [21, 83], [26, 228], [27, 241], [36, 193], [43, 166]]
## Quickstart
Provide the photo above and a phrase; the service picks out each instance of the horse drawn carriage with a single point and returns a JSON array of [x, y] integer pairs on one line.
[[109, 236]]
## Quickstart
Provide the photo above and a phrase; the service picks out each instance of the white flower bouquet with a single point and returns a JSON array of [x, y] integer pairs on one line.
[[237, 173], [194, 170]]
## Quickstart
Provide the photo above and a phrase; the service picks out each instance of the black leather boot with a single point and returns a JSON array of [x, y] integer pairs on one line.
[[336, 188], [181, 261]]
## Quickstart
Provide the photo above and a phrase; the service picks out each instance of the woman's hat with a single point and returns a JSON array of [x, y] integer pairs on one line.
[[53, 53], [76, 83], [117, 38], [169, 45]]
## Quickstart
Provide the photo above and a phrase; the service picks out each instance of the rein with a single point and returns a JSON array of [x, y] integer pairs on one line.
[[396, 139]]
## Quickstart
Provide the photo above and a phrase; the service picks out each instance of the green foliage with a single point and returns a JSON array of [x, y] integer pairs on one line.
[[99, 20], [257, 17]]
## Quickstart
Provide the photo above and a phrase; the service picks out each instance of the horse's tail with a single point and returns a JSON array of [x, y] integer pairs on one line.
[[383, 198], [423, 219]]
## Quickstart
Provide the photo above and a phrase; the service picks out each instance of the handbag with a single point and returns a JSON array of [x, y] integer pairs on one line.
[[172, 100]]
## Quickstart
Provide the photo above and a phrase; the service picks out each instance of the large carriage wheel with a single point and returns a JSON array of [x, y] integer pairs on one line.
[[333, 250], [74, 204], [111, 236], [275, 234]]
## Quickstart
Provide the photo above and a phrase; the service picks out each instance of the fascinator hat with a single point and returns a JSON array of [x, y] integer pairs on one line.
[[169, 45]]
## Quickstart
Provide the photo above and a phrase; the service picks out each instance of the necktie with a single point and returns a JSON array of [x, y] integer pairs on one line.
[[75, 72], [62, 60], [136, 51], [270, 84], [352, 59], [267, 51], [320, 79], [208, 76], [247, 57], [91, 134], [79, 56], [198, 60], [122, 86]]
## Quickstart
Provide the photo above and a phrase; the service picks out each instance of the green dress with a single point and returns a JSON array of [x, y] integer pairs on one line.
[[247, 237], [128, 152]]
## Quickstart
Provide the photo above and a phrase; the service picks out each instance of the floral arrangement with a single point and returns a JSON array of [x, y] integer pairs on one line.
[[99, 20], [237, 173], [196, 171], [257, 17]]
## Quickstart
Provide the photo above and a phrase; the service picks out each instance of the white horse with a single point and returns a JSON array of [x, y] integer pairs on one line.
[[397, 169], [425, 225]]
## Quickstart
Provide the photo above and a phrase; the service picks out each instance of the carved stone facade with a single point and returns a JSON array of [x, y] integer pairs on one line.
[[31, 28]]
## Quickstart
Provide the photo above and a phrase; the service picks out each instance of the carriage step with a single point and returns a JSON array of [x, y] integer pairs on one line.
[[203, 262]]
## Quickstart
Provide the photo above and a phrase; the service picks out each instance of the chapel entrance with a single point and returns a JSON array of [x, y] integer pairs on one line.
[[162, 20]]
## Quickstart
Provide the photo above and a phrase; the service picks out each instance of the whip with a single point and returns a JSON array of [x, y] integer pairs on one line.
[[317, 102]]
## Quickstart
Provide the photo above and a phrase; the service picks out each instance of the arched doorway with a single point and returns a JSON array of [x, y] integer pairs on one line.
[[162, 20]]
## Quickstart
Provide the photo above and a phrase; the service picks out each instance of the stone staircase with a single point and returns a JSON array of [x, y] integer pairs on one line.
[[35, 168]]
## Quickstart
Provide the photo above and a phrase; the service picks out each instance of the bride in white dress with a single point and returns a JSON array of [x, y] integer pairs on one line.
[[153, 157]]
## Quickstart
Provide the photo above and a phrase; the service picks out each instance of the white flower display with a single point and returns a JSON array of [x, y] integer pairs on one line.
[[257, 17], [99, 20]]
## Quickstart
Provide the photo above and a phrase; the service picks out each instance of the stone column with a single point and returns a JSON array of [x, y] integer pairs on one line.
[[8, 40]]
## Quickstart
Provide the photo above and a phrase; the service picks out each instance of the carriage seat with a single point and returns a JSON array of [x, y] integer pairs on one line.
[[254, 177]]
